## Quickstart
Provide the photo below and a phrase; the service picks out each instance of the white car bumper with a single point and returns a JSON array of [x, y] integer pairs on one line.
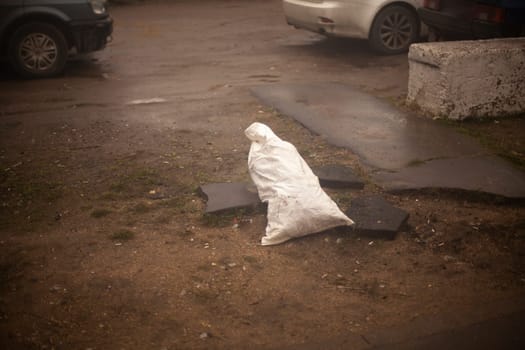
[[336, 18]]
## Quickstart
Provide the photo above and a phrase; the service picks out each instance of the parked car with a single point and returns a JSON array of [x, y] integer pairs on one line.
[[37, 35], [389, 25], [471, 19]]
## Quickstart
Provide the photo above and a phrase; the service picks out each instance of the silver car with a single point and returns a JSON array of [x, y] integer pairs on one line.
[[389, 25]]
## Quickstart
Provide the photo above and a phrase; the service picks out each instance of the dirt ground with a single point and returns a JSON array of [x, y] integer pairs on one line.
[[103, 238]]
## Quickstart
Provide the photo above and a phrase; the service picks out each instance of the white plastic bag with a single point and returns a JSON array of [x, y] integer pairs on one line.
[[297, 205]]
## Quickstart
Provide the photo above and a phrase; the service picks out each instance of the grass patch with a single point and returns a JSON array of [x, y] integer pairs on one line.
[[250, 259], [108, 196], [226, 218], [502, 136], [415, 162], [122, 235], [34, 191], [164, 218], [185, 234], [175, 202], [343, 198], [204, 295], [215, 220], [135, 183], [142, 208], [253, 262], [204, 267], [183, 200], [119, 187], [100, 213]]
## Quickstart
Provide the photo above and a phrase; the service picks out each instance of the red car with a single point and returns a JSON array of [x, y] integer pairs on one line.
[[473, 19]]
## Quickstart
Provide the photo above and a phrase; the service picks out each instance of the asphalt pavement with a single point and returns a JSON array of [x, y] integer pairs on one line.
[[401, 150]]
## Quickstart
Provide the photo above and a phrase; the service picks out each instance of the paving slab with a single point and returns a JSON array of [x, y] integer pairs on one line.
[[484, 174], [390, 142], [376, 217], [383, 136], [338, 176], [227, 196]]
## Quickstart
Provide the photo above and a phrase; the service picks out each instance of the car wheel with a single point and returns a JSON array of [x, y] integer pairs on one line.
[[393, 30], [38, 50]]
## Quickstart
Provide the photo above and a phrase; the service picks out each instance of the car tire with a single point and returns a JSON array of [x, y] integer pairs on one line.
[[38, 50], [393, 30]]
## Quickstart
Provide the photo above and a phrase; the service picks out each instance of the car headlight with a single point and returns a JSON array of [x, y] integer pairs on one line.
[[98, 6]]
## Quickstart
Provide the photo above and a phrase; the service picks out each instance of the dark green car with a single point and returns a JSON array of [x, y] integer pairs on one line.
[[473, 19], [37, 35]]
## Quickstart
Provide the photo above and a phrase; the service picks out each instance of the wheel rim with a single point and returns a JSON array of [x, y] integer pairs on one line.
[[38, 52], [396, 31]]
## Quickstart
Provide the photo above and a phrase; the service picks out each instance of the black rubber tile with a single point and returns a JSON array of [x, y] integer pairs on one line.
[[376, 217], [227, 196], [338, 176]]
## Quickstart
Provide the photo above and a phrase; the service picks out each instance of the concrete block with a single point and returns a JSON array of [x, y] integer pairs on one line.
[[228, 196], [375, 217], [338, 176], [468, 79]]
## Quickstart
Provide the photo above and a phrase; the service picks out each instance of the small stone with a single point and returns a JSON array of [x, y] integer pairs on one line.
[[204, 336]]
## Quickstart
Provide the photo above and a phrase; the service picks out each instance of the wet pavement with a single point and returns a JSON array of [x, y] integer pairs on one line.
[[402, 151]]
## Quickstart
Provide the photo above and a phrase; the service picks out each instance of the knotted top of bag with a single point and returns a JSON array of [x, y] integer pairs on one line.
[[260, 133]]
